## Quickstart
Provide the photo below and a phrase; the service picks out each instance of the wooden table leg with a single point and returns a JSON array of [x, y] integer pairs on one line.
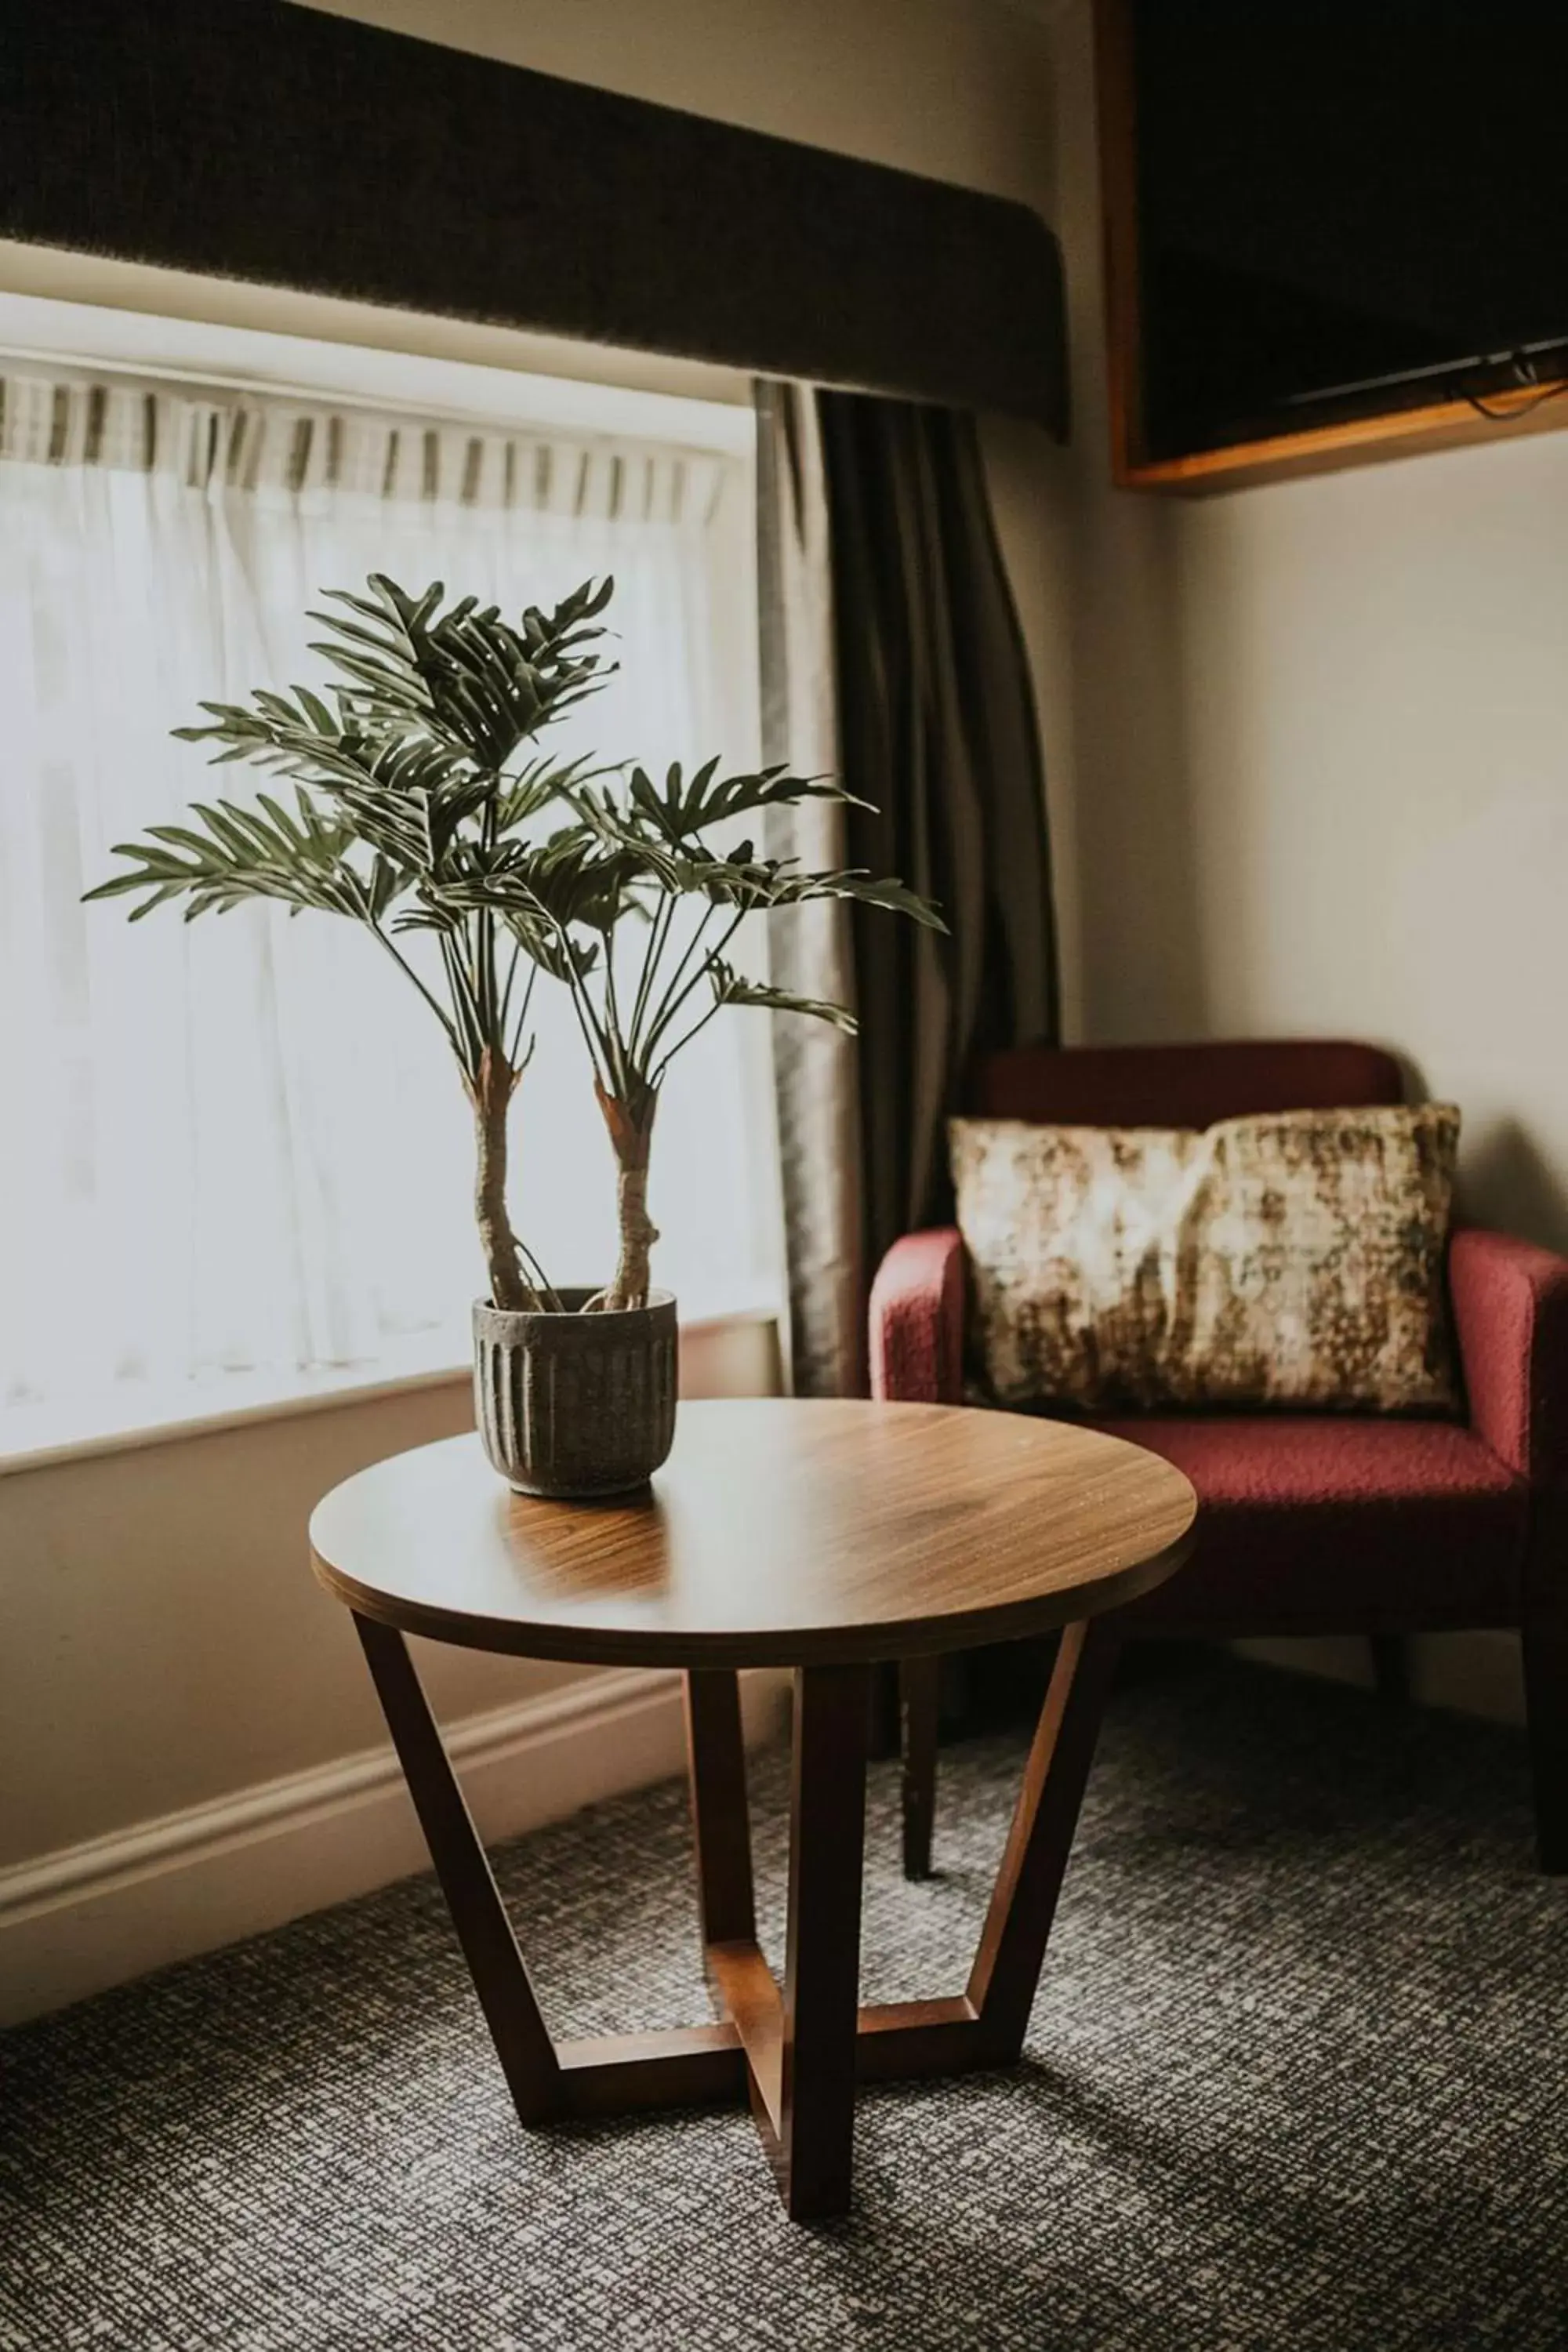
[[1024, 1903], [511, 2012], [919, 1698], [719, 1815], [827, 1824]]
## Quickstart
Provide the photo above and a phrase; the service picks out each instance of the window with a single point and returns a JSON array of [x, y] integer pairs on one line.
[[240, 1145]]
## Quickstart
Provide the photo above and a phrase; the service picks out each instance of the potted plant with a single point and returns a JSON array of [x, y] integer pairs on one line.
[[423, 810]]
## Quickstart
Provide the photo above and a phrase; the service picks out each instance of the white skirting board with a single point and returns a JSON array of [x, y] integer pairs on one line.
[[74, 1922]]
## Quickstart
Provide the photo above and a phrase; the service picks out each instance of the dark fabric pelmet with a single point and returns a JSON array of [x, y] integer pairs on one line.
[[296, 147], [1297, 2076]]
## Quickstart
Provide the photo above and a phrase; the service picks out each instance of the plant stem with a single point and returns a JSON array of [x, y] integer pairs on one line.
[[516, 1053], [545, 1292], [407, 968], [630, 1124], [490, 1094], [659, 1013], [658, 933], [615, 1040], [473, 1040], [656, 1075], [675, 998]]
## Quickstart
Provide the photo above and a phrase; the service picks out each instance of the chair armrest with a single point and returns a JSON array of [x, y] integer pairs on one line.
[[1510, 1314], [917, 1320]]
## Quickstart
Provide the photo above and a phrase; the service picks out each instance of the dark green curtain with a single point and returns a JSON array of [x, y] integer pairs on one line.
[[937, 730]]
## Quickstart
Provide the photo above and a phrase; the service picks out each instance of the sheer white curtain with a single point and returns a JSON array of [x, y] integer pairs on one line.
[[241, 1143]]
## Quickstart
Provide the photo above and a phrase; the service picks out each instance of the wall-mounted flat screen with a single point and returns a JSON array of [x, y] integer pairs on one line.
[[1344, 206]]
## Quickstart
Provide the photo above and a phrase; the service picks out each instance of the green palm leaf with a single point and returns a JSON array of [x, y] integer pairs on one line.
[[238, 854], [731, 987]]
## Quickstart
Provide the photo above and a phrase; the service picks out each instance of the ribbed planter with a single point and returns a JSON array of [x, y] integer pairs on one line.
[[574, 1405]]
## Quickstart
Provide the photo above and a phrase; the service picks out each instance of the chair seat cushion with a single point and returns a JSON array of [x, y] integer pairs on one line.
[[1323, 1523]]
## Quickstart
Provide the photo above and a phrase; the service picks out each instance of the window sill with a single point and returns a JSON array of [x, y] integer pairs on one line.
[[36, 1437]]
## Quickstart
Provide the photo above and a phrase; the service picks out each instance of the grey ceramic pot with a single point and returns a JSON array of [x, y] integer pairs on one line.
[[575, 1405]]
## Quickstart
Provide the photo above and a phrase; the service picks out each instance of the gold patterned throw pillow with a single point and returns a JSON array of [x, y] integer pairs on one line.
[[1294, 1259]]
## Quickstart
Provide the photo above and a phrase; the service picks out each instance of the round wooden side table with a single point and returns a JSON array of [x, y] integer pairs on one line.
[[823, 1537]]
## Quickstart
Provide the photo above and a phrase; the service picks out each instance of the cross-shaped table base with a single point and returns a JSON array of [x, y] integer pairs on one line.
[[796, 2053]]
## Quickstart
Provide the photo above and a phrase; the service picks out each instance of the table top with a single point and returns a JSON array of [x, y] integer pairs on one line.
[[780, 1532]]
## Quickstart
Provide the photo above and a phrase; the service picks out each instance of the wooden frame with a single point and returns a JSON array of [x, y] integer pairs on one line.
[[796, 2052], [1319, 449]]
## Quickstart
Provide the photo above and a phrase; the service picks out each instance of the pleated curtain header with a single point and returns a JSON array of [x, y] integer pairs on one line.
[[277, 446]]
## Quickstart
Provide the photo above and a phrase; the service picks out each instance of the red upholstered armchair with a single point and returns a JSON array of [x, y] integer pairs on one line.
[[1308, 1523]]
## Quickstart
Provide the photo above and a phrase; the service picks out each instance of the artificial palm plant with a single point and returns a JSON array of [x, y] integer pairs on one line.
[[414, 775], [422, 806]]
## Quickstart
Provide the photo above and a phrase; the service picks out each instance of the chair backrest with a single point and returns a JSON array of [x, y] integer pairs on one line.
[[1179, 1085]]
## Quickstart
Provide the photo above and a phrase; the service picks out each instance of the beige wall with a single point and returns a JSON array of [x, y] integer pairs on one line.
[[165, 1642], [1374, 763], [951, 87]]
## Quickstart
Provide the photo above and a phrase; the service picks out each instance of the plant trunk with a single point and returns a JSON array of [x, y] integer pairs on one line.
[[630, 1124], [492, 1098]]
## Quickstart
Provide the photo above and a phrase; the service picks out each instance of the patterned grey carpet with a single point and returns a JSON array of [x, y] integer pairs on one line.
[[1298, 2077]]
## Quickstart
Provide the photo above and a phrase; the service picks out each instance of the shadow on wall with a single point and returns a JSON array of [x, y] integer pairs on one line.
[[1143, 966], [1507, 1181], [1142, 969]]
